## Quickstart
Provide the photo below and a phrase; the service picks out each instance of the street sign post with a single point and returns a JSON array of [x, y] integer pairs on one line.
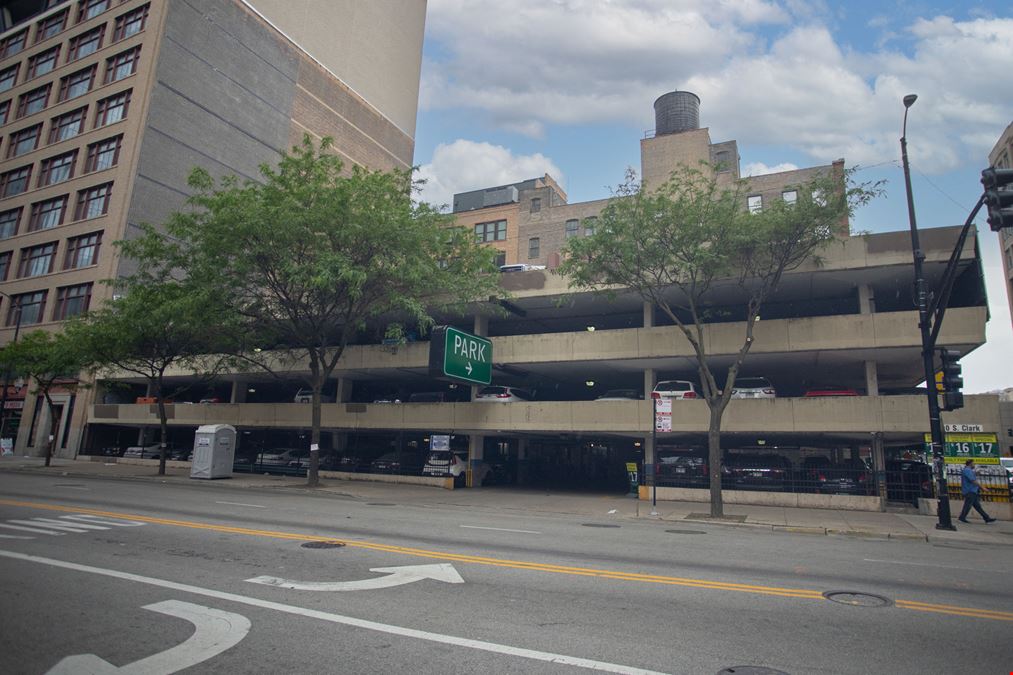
[[462, 356]]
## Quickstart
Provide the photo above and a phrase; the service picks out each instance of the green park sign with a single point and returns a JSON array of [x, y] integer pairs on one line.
[[460, 356]]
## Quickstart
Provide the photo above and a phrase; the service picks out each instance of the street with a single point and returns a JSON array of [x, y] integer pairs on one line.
[[99, 575]]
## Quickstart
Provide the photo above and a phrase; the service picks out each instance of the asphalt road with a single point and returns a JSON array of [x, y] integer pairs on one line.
[[146, 577]]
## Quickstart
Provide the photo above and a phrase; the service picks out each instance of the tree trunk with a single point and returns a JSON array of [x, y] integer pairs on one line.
[[714, 458], [313, 475], [163, 427]]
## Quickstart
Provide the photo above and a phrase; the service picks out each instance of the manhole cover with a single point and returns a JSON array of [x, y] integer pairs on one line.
[[857, 599], [598, 525], [686, 531], [751, 670], [323, 544], [380, 504]]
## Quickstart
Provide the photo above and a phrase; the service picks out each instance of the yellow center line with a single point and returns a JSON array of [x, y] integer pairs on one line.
[[802, 593]]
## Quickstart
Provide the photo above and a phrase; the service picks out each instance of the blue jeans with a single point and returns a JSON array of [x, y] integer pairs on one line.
[[972, 499]]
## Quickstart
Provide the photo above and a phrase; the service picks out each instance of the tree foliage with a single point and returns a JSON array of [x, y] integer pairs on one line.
[[312, 253], [676, 245]]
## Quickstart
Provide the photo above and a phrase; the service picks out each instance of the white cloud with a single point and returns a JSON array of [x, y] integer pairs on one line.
[[466, 165], [761, 169], [539, 63]]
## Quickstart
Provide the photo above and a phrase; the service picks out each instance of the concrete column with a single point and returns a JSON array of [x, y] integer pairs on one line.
[[476, 446], [480, 328], [343, 390], [339, 441], [879, 466], [522, 461], [871, 379], [866, 300], [650, 379], [238, 394], [648, 315]]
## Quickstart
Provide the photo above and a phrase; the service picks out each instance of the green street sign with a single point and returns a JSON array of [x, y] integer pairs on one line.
[[460, 356]]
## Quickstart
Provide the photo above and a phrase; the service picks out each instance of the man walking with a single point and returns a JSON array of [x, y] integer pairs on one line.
[[971, 488]]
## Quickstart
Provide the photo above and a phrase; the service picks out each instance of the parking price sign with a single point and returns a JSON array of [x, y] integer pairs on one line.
[[982, 448], [460, 356]]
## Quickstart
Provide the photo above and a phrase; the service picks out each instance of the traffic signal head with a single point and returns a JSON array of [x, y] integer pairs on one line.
[[998, 197], [953, 381]]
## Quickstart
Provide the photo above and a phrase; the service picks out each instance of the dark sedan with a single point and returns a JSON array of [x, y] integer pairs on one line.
[[756, 472]]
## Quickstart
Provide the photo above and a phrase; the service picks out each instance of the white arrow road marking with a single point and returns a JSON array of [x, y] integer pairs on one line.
[[396, 576], [216, 631], [31, 529], [54, 524], [439, 638], [469, 368]]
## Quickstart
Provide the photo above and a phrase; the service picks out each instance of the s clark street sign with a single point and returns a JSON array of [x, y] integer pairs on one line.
[[460, 356]]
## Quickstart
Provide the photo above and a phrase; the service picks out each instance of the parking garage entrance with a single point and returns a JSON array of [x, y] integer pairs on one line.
[[575, 464]]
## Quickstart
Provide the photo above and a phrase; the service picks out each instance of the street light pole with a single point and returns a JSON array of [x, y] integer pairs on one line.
[[928, 348], [7, 371]]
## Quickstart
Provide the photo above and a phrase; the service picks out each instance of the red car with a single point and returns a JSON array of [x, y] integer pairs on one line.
[[830, 390]]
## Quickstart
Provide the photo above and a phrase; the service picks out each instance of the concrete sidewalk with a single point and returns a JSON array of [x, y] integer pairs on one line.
[[594, 507]]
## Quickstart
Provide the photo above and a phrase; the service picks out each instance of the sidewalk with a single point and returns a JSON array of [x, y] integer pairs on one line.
[[595, 507]]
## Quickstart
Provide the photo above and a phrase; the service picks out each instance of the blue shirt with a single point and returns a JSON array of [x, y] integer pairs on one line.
[[967, 481]]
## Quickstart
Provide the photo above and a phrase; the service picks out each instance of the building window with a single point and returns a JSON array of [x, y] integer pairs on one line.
[[8, 77], [43, 62], [76, 84], [111, 110], [93, 202], [86, 44], [103, 155], [57, 169], [494, 231], [819, 198], [9, 223], [82, 251], [122, 65], [50, 26], [572, 228], [33, 101], [534, 247], [5, 109], [91, 8], [71, 301], [130, 23], [590, 223], [5, 265], [32, 306], [536, 204], [500, 260], [15, 182], [13, 44], [47, 214], [24, 141], [789, 196], [37, 260], [67, 126], [722, 160], [754, 203]]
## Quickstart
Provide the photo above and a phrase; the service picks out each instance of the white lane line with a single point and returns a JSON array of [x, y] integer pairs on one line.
[[73, 487], [31, 529], [104, 521], [14, 536], [498, 529], [252, 506], [468, 643], [54, 524], [921, 564]]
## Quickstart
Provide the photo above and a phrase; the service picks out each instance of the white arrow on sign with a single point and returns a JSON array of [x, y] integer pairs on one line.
[[469, 368], [396, 576], [216, 631]]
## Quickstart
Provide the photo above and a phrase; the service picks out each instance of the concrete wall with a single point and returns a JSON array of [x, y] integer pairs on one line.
[[758, 498]]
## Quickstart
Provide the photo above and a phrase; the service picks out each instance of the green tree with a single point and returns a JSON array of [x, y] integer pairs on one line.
[[312, 253], [676, 245], [155, 325], [50, 360]]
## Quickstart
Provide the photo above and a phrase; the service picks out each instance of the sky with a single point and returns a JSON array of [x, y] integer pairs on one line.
[[514, 90]]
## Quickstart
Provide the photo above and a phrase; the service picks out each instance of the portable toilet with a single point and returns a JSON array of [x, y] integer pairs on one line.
[[214, 450]]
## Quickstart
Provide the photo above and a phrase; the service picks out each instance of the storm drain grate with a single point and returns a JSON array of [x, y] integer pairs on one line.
[[323, 544], [857, 599], [598, 525], [751, 670], [686, 531]]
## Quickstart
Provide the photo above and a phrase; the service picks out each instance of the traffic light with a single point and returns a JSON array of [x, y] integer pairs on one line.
[[953, 398], [998, 197]]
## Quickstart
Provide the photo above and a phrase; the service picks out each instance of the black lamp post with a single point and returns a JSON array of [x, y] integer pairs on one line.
[[928, 348], [7, 372]]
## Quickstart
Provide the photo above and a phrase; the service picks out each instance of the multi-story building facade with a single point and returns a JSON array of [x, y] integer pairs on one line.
[[106, 106], [1001, 157]]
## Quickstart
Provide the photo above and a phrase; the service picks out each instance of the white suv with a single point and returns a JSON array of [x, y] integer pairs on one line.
[[502, 395], [753, 387], [680, 389]]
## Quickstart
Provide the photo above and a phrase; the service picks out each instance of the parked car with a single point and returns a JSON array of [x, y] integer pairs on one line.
[[848, 477], [520, 267], [306, 396], [349, 461], [405, 463], [1007, 463], [152, 451], [621, 395], [281, 456], [907, 480], [676, 389], [682, 467], [429, 397], [443, 463], [830, 390], [181, 454], [502, 395], [753, 387], [748, 471], [210, 399]]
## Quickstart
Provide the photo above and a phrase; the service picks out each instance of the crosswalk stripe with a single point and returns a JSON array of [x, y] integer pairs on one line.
[[30, 529], [48, 522], [64, 527], [104, 521]]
